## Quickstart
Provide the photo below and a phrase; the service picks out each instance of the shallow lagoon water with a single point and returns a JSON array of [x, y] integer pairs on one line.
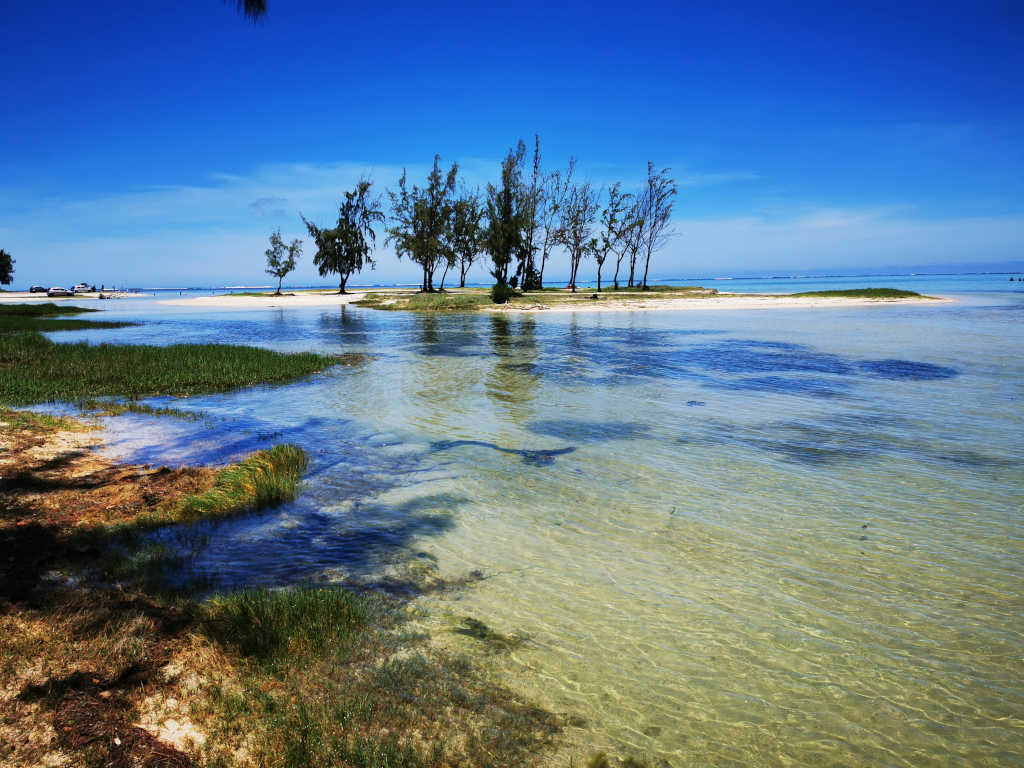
[[764, 538]]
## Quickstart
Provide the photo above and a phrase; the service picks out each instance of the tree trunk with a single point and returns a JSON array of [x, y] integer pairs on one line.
[[462, 274], [444, 274], [279, 279], [342, 279], [598, 278], [647, 265]]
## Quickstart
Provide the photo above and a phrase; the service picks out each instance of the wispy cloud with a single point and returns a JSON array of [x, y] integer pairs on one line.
[[216, 232]]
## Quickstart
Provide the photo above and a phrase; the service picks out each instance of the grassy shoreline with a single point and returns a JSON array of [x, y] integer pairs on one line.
[[102, 663], [478, 299]]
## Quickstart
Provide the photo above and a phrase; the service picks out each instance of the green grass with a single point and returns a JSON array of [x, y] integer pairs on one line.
[[41, 423], [267, 478], [428, 302], [117, 408], [274, 626], [45, 325], [39, 317], [48, 309], [650, 288], [34, 369], [863, 293]]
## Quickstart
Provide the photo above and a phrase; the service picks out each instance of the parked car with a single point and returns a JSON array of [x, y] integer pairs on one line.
[[81, 288], [58, 291], [37, 289]]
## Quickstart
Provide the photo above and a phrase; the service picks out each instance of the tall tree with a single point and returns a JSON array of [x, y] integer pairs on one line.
[[631, 241], [533, 200], [659, 197], [346, 248], [421, 220], [467, 232], [6, 267], [281, 258], [503, 240], [577, 219], [614, 227], [556, 187]]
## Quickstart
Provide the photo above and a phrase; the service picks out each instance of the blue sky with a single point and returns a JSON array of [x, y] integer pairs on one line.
[[159, 144]]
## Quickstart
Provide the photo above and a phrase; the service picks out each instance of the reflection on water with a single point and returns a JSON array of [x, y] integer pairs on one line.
[[721, 539]]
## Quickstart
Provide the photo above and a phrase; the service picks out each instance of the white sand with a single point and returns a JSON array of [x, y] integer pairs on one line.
[[262, 302], [721, 301]]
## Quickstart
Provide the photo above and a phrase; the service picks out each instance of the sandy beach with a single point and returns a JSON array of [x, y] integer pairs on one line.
[[263, 302], [568, 303]]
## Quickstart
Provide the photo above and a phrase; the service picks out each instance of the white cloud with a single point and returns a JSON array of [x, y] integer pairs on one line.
[[215, 233]]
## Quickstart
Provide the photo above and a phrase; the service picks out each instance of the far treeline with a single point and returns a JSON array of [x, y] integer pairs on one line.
[[517, 224]]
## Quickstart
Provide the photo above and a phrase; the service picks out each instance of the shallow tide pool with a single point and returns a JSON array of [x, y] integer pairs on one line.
[[777, 537]]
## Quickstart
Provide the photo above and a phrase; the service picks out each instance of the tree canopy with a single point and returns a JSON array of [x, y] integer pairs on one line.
[[281, 258], [421, 221], [347, 247], [6, 267]]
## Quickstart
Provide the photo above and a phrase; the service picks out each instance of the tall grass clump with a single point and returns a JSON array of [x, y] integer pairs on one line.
[[267, 478], [272, 626]]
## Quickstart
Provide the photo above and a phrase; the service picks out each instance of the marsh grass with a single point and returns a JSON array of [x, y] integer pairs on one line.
[[45, 309], [37, 423], [264, 479], [34, 369], [277, 626], [427, 302], [863, 293], [117, 408]]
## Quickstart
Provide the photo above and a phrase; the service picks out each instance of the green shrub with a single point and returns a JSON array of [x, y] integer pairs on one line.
[[502, 292]]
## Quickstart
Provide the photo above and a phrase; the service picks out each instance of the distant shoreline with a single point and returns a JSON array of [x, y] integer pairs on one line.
[[554, 302]]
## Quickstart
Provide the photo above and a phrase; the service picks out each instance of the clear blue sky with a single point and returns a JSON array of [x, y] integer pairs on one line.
[[159, 143]]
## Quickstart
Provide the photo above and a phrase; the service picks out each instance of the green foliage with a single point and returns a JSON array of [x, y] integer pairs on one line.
[[348, 247], [6, 267], [656, 206], [501, 293], [34, 369], [506, 215], [421, 221], [467, 235], [863, 293], [267, 478], [46, 309], [281, 258], [274, 626], [615, 228], [253, 9], [578, 211]]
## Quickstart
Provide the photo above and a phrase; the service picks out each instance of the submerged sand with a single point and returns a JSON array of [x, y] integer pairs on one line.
[[704, 302], [568, 303]]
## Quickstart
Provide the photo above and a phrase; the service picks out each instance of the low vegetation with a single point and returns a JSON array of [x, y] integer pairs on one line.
[[863, 293], [265, 479], [34, 369]]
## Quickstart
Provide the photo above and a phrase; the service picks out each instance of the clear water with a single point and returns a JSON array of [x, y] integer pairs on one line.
[[763, 538]]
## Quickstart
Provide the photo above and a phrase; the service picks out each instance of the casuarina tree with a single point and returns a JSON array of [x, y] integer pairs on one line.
[[6, 267], [421, 221], [281, 258], [347, 247]]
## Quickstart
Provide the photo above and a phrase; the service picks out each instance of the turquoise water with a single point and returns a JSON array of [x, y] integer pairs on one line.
[[763, 538]]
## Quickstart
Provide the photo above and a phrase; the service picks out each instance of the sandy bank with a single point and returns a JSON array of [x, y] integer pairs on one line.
[[227, 301], [20, 297], [721, 301]]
